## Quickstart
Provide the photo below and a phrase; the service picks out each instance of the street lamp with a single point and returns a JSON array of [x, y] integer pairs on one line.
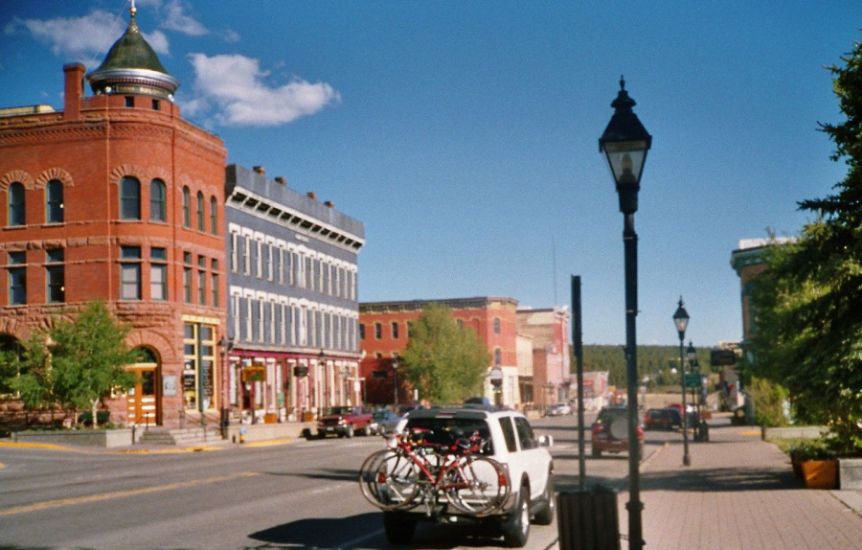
[[625, 143], [225, 345], [680, 319]]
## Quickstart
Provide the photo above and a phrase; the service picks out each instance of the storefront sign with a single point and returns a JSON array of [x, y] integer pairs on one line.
[[254, 374]]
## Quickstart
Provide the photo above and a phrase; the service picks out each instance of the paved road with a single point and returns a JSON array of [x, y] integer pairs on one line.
[[298, 495]]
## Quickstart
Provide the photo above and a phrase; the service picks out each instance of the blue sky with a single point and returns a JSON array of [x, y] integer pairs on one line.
[[464, 134]]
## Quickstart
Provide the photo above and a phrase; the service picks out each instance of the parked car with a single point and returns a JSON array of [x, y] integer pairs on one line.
[[610, 432], [344, 422], [384, 422], [511, 442], [559, 409], [662, 419]]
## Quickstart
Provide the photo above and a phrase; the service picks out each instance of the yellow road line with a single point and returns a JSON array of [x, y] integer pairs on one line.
[[30, 445], [60, 502]]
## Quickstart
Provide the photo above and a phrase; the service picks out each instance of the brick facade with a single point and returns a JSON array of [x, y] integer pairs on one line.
[[493, 320], [90, 147]]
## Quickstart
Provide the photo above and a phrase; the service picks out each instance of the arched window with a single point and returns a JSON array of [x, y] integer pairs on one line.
[[187, 213], [54, 202], [130, 199], [16, 204], [213, 216], [158, 196], [200, 211]]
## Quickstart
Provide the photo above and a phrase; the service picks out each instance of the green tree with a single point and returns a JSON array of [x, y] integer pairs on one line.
[[444, 362], [32, 378], [808, 302], [88, 355]]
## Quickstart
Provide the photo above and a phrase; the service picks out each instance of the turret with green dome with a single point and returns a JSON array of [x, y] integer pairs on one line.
[[132, 67]]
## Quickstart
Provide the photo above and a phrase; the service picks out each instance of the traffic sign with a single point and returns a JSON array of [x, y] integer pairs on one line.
[[692, 380]]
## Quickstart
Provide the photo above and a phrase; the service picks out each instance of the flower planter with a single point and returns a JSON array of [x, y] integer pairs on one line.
[[820, 474]]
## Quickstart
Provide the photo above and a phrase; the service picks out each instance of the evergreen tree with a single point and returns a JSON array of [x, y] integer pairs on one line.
[[808, 303], [445, 362]]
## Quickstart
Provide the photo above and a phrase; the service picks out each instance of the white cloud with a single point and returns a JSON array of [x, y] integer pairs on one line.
[[87, 36], [176, 19], [158, 41], [235, 85]]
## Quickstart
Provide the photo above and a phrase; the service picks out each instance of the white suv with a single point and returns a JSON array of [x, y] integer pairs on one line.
[[512, 443]]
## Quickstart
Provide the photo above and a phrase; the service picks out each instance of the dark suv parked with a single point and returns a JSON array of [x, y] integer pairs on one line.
[[610, 432]]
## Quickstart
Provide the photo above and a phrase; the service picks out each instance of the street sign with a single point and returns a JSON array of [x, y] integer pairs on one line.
[[692, 380], [722, 357]]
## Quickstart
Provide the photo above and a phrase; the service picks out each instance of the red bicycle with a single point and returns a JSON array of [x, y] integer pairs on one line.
[[416, 470]]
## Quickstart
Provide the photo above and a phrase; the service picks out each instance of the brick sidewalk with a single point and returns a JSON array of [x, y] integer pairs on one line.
[[738, 493]]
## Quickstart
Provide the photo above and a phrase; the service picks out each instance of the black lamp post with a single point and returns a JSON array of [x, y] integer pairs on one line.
[[625, 143], [225, 344], [680, 319]]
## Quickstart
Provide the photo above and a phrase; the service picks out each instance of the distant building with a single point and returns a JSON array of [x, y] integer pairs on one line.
[[549, 331], [118, 199], [385, 330], [748, 261], [293, 315]]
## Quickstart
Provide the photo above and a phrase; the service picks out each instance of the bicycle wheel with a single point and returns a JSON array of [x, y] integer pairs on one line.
[[388, 480], [477, 485]]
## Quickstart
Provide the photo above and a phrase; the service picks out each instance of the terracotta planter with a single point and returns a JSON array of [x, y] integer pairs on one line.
[[820, 474]]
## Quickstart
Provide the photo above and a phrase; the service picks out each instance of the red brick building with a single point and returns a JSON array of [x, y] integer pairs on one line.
[[384, 329], [117, 198]]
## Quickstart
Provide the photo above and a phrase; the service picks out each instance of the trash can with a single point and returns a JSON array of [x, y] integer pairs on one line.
[[588, 520]]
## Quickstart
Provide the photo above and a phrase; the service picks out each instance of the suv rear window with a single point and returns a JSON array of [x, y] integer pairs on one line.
[[508, 433], [445, 430], [607, 416]]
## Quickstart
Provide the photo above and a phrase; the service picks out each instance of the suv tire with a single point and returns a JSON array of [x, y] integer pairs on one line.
[[516, 529], [348, 432], [399, 527], [545, 515]]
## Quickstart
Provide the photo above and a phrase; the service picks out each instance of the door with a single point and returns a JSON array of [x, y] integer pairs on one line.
[[143, 398]]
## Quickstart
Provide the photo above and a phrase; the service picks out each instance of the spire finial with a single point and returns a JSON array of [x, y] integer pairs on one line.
[[622, 79], [133, 21]]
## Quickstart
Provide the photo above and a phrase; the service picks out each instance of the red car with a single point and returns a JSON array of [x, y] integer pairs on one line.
[[610, 432], [662, 419]]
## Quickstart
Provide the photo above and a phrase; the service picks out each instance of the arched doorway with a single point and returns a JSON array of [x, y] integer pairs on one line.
[[143, 398]]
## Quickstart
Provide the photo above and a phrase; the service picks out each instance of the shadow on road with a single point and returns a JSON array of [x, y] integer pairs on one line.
[[362, 530], [332, 475]]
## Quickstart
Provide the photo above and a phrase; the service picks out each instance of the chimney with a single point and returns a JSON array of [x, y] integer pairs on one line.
[[74, 90], [259, 170], [280, 180], [329, 204], [312, 195]]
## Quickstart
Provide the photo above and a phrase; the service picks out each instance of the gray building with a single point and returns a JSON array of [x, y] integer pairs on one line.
[[292, 300]]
